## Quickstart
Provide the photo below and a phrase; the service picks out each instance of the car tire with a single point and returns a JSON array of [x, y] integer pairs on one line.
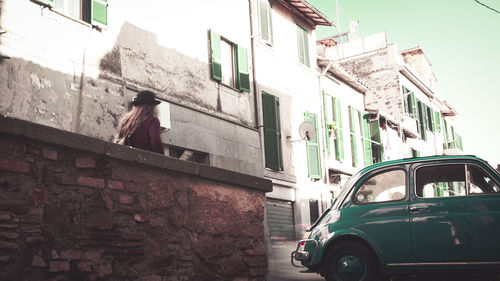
[[350, 261]]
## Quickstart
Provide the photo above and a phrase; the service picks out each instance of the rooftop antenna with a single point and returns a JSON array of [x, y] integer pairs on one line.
[[337, 7]]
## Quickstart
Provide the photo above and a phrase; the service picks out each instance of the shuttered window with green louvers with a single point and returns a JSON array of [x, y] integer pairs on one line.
[[99, 13], [437, 119], [339, 136], [352, 126], [377, 147], [364, 119], [228, 60], [272, 132], [312, 149]]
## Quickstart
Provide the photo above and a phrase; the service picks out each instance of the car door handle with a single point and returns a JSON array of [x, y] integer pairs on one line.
[[418, 208]]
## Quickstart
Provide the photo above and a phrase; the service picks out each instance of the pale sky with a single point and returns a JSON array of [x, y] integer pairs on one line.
[[461, 38]]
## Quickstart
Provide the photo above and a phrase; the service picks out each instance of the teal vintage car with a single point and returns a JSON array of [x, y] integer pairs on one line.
[[412, 215]]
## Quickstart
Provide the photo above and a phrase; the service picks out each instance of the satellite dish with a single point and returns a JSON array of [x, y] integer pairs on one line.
[[306, 131]]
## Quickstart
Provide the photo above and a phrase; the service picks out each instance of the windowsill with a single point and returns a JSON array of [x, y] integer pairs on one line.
[[228, 87]]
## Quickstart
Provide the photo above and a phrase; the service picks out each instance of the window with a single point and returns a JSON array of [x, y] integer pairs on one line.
[[229, 63], [386, 186], [352, 127], [312, 149], [272, 132], [94, 12], [313, 210], [480, 182], [265, 21], [364, 119], [303, 46], [333, 126], [441, 181]]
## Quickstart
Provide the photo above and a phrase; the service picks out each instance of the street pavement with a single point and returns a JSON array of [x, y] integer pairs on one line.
[[280, 269]]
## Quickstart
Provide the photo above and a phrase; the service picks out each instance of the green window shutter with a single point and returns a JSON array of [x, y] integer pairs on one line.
[[352, 126], [414, 106], [366, 137], [415, 153], [100, 13], [437, 119], [445, 131], [215, 56], [272, 132], [423, 120], [243, 76], [405, 99], [433, 119], [377, 148], [339, 137], [327, 129], [312, 149]]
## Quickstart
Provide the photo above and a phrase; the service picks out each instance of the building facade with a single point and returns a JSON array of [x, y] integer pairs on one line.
[[76, 66]]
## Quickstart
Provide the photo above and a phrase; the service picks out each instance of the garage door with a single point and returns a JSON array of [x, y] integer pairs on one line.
[[280, 219]]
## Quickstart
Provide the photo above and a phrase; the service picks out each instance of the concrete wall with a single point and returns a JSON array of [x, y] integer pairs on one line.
[[65, 74], [77, 208]]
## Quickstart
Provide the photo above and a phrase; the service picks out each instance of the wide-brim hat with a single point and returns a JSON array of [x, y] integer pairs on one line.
[[145, 97]]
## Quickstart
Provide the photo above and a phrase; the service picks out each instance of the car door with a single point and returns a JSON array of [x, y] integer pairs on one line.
[[378, 211], [439, 223], [483, 204]]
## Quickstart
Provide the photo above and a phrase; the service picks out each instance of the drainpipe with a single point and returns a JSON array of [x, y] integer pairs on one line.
[[252, 52]]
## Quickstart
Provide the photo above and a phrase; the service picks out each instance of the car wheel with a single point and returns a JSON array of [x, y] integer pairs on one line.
[[350, 261]]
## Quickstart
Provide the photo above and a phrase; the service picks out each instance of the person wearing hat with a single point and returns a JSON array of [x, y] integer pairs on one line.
[[140, 127]]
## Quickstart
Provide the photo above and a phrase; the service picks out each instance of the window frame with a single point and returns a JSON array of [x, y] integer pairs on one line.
[[368, 176], [467, 179], [240, 64], [269, 26], [303, 46]]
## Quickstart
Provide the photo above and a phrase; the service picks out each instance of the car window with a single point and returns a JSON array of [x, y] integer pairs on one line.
[[441, 181], [386, 186], [480, 182]]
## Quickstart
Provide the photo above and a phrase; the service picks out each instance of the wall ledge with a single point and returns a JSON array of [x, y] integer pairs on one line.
[[30, 130]]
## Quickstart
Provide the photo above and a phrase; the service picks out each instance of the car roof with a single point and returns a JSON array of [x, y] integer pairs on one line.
[[418, 159]]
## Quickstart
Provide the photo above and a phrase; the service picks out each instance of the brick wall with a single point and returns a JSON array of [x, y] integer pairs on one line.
[[76, 208]]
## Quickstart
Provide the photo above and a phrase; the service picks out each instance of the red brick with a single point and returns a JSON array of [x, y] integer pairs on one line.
[[83, 162], [39, 197], [118, 185], [157, 222], [38, 261], [14, 166], [132, 187], [71, 254], [141, 218], [126, 199], [91, 182], [255, 252], [59, 266], [49, 153], [131, 236], [84, 266], [34, 239], [103, 270], [5, 217], [4, 258], [8, 226], [92, 256], [64, 179], [8, 245], [9, 235]]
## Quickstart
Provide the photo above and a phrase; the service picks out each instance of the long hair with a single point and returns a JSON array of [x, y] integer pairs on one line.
[[134, 118]]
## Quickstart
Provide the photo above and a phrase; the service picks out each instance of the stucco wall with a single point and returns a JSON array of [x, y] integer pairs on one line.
[[77, 208]]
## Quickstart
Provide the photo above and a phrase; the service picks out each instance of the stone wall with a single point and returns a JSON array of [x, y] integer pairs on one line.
[[76, 208]]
